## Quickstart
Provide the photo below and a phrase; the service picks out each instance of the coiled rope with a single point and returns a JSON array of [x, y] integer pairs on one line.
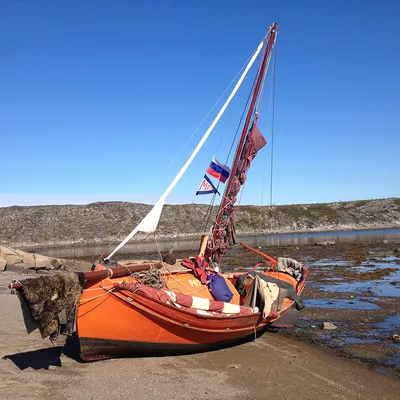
[[152, 278]]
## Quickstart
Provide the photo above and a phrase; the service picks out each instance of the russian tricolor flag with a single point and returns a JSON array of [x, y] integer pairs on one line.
[[218, 170]]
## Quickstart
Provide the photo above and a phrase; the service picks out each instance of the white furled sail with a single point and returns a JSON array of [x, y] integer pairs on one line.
[[150, 221]]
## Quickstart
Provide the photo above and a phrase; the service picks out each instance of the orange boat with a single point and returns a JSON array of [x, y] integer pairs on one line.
[[170, 306], [114, 320]]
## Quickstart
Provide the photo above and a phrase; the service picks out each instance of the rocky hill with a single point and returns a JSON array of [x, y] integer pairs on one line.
[[62, 225]]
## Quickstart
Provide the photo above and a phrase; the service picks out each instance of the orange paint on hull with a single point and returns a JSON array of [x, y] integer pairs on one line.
[[122, 319]]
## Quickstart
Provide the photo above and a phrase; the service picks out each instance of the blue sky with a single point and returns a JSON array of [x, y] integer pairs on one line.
[[98, 97]]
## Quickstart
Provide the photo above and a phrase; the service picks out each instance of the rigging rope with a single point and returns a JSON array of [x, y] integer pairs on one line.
[[122, 228], [205, 118], [272, 134], [259, 100], [271, 119]]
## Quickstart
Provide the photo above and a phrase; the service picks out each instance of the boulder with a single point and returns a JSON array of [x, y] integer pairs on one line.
[[42, 262], [29, 260], [3, 263], [10, 255], [57, 263], [20, 268]]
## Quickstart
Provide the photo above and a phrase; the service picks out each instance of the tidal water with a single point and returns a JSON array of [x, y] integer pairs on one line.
[[384, 286], [285, 239]]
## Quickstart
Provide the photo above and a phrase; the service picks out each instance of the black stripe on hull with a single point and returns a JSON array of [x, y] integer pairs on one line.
[[98, 349]]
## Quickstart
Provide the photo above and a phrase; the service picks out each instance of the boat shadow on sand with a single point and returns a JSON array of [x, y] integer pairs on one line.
[[45, 358]]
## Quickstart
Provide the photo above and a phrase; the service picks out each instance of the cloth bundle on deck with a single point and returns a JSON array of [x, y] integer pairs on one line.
[[290, 267], [289, 290], [199, 267], [48, 302], [192, 304], [268, 295]]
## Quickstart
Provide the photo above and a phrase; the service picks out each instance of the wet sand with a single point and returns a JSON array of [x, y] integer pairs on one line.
[[274, 365]]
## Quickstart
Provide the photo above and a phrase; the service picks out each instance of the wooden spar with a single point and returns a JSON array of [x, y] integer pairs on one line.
[[260, 253], [203, 245], [271, 41], [118, 271], [106, 273]]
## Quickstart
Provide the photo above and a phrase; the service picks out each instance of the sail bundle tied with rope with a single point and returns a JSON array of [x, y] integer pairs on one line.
[[255, 141], [191, 304]]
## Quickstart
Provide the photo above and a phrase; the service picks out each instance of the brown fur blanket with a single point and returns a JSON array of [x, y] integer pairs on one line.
[[48, 302]]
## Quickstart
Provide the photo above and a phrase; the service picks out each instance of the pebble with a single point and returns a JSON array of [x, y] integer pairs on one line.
[[396, 337], [328, 326]]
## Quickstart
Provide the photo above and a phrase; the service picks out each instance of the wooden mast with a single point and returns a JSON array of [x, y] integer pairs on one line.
[[264, 63]]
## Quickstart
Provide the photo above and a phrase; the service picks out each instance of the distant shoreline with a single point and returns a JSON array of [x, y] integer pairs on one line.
[[198, 237], [100, 223]]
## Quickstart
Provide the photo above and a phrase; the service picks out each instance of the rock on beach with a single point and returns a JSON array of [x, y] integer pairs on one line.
[[18, 260]]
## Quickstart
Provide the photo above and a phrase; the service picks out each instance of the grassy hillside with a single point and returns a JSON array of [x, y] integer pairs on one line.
[[60, 225]]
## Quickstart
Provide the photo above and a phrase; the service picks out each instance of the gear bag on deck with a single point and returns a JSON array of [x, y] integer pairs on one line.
[[218, 288]]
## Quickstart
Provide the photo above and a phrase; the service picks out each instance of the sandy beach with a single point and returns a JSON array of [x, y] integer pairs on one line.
[[274, 365]]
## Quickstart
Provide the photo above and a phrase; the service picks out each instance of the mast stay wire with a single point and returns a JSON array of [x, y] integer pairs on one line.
[[272, 138], [204, 119]]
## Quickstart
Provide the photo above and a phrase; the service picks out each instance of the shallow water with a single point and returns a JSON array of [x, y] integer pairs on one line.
[[382, 287], [394, 360], [307, 238], [386, 286], [352, 304], [328, 263], [391, 323]]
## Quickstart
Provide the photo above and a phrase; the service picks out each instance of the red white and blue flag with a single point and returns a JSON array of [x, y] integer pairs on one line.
[[218, 170], [206, 187]]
